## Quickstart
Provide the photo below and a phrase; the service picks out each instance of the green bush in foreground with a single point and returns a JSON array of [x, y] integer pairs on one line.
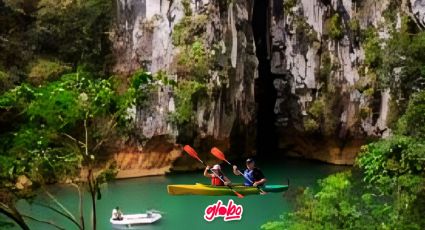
[[385, 190]]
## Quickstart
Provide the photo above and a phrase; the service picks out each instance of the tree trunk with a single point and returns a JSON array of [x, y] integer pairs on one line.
[[92, 190], [93, 200]]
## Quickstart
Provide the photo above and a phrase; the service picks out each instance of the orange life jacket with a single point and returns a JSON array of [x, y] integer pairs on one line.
[[216, 181]]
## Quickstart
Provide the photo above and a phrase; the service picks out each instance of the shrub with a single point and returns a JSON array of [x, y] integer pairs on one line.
[[365, 112], [372, 48], [310, 125], [193, 62], [317, 108], [188, 29], [184, 96], [288, 4], [44, 70], [335, 27], [413, 121], [187, 10], [325, 67]]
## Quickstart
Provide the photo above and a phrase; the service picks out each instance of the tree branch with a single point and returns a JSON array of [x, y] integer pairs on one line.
[[13, 214], [59, 204], [60, 213], [44, 222], [86, 137], [111, 126], [80, 205], [72, 138]]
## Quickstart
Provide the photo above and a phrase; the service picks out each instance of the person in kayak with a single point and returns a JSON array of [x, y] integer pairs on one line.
[[254, 174], [214, 179], [117, 214]]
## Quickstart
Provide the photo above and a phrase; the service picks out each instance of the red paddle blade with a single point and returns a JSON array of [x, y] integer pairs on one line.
[[191, 151], [217, 153], [238, 194]]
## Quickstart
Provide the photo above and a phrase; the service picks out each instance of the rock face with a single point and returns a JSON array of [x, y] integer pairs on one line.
[[324, 111], [23, 182], [326, 102], [156, 158], [418, 10], [224, 116]]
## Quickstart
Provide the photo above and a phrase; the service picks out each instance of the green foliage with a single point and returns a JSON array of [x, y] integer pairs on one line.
[[35, 152], [15, 42], [189, 29], [42, 144], [365, 112], [288, 5], [5, 82], [6, 225], [390, 13], [66, 102], [185, 94], [316, 109], [49, 132], [322, 115], [44, 70], [70, 31], [193, 63], [138, 95], [107, 175], [393, 114], [354, 25], [325, 67], [22, 6], [400, 65], [387, 160], [412, 122], [334, 26], [369, 92], [331, 208], [310, 125], [141, 87], [17, 98], [304, 31], [186, 7], [163, 78], [372, 47], [76, 29], [414, 72], [344, 201], [384, 191], [395, 168]]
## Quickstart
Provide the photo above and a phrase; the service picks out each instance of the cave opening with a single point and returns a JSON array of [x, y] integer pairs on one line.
[[265, 93]]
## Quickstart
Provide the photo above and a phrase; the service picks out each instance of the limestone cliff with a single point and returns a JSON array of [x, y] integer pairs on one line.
[[328, 99], [325, 98], [224, 110], [302, 62]]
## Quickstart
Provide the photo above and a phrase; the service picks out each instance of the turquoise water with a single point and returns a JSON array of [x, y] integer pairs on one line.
[[185, 212]]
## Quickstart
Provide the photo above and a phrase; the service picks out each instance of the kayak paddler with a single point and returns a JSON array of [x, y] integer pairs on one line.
[[214, 179], [254, 174]]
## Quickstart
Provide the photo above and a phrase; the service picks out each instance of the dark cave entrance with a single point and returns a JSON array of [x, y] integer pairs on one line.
[[265, 93]]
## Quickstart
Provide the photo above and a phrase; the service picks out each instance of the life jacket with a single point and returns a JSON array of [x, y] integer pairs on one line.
[[250, 175], [216, 181]]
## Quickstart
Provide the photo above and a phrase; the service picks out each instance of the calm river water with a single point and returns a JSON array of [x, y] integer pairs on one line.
[[186, 212]]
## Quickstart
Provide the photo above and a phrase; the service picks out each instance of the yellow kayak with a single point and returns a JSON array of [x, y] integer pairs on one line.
[[210, 190]]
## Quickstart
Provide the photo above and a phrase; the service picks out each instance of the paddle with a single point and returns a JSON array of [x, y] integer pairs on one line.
[[194, 154], [220, 155]]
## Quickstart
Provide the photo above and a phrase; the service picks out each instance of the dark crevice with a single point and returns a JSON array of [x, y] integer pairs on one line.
[[265, 93]]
